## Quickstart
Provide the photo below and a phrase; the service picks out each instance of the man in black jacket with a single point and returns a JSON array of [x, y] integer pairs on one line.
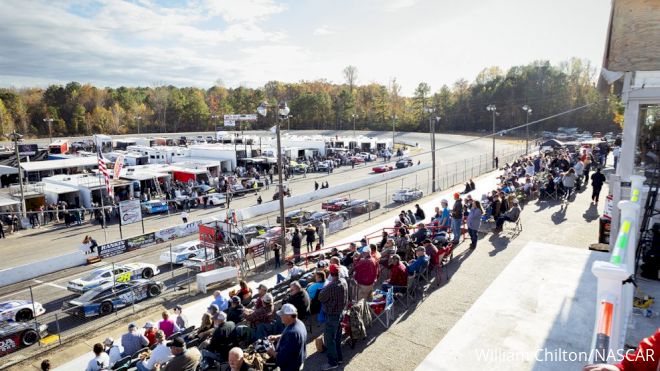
[[224, 336], [456, 218], [597, 180], [299, 298]]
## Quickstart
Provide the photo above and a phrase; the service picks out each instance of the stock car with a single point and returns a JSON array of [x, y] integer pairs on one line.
[[181, 252], [264, 239], [326, 216], [106, 298], [407, 195], [122, 273], [16, 335], [335, 204], [243, 235], [382, 168], [216, 199], [359, 207], [295, 217], [154, 207], [368, 156], [404, 162], [20, 310], [357, 160]]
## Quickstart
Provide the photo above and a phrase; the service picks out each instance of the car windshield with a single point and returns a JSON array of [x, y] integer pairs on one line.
[[89, 295], [95, 274], [318, 215]]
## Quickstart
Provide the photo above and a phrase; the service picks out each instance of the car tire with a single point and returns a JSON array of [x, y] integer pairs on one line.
[[24, 315], [153, 290], [106, 308], [29, 337], [147, 273]]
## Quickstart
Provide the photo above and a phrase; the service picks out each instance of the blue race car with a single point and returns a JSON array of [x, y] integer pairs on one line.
[[106, 299]]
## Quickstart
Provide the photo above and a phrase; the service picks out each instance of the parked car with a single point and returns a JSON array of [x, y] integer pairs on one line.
[[326, 216], [382, 168], [181, 252], [264, 239], [216, 199], [407, 195], [154, 207], [243, 235], [357, 159], [121, 273], [20, 310], [335, 204], [109, 297], [17, 335], [359, 207], [368, 156], [404, 162], [295, 217], [323, 166]]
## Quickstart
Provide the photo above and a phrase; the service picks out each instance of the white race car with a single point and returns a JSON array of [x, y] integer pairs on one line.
[[216, 199], [121, 273], [182, 252], [20, 310], [407, 195]]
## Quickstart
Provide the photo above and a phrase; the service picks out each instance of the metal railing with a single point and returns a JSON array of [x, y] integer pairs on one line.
[[615, 290]]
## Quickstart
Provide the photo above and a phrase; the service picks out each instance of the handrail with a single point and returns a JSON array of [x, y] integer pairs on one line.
[[604, 331], [619, 253]]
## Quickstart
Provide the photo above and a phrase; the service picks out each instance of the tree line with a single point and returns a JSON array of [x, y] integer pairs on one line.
[[83, 109]]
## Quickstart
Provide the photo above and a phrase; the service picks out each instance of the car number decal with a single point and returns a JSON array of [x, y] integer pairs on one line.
[[124, 277]]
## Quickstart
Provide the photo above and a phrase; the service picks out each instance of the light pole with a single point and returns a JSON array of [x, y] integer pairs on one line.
[[281, 113], [493, 109], [215, 120], [16, 137], [432, 120], [138, 118], [528, 111], [50, 129], [354, 116], [393, 125], [288, 123]]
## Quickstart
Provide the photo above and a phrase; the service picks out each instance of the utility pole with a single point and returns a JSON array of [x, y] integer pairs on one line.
[[493, 109], [528, 111], [50, 129], [16, 137], [430, 111], [354, 116], [393, 125], [138, 118]]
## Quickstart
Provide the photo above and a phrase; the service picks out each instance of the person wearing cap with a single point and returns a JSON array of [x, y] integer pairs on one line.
[[348, 258], [114, 351], [398, 275], [299, 298], [421, 234], [223, 337], [181, 320], [237, 360], [365, 273], [293, 272], [261, 291], [132, 341], [150, 332], [101, 360], [444, 220], [511, 215], [167, 324], [334, 297], [235, 310], [263, 315], [343, 271], [456, 218], [160, 354], [212, 309], [432, 252], [183, 360], [220, 300], [290, 352], [417, 265]]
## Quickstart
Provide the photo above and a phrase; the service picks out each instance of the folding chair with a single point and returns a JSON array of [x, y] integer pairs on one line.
[[389, 302], [174, 334], [124, 363], [443, 259], [515, 227], [405, 290]]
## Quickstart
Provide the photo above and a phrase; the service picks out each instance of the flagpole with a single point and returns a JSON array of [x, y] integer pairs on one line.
[[104, 225]]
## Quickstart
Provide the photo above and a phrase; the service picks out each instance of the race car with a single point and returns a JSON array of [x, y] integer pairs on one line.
[[335, 204], [109, 297], [154, 207], [121, 273], [243, 235], [294, 217], [20, 310], [367, 156], [216, 199], [16, 335], [264, 239], [404, 162], [357, 159], [181, 252], [407, 195], [359, 207], [382, 168]]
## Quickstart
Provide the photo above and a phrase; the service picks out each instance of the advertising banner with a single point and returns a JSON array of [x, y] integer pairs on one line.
[[137, 242], [130, 212], [335, 225], [112, 249], [119, 164], [178, 231], [27, 149]]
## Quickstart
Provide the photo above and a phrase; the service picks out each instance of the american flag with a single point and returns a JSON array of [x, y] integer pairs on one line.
[[104, 170]]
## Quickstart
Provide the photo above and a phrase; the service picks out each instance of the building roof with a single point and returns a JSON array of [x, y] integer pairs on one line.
[[59, 164], [58, 188]]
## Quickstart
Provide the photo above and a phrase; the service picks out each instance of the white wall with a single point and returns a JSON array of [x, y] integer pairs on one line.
[[35, 269]]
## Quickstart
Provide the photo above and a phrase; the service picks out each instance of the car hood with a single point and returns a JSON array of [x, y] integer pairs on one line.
[[134, 266]]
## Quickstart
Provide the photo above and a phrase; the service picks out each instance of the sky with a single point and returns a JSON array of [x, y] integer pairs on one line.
[[250, 42]]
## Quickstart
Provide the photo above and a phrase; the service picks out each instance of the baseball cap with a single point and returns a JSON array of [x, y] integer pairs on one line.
[[268, 298], [214, 308], [108, 341], [365, 250], [287, 309], [132, 325], [334, 269], [220, 316], [235, 299], [456, 195], [177, 342], [149, 324], [420, 248]]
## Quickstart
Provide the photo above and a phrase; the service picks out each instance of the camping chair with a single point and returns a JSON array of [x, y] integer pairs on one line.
[[436, 271], [386, 312], [515, 227], [554, 195], [405, 291], [122, 363], [174, 334]]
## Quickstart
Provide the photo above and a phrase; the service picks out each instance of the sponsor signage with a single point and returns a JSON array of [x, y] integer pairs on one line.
[[335, 225], [178, 231], [138, 242], [112, 249], [27, 149], [230, 120], [130, 212]]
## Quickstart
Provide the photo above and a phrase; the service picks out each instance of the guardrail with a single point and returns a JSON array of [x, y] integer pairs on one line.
[[614, 296]]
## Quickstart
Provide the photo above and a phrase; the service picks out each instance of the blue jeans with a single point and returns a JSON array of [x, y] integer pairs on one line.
[[332, 338], [501, 220], [280, 278], [456, 229], [141, 367], [473, 237]]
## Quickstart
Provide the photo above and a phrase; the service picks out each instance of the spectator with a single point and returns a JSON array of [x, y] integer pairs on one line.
[[220, 300], [160, 354], [237, 360], [235, 311], [373, 249], [432, 252], [568, 181], [245, 293], [456, 218], [299, 298], [334, 297], [133, 341], [181, 320], [398, 274], [420, 262], [320, 231], [511, 216], [275, 247], [419, 213], [100, 361], [296, 244], [348, 259], [167, 324], [114, 351], [150, 332], [204, 330], [293, 272], [290, 352], [444, 221], [343, 271], [263, 315], [421, 234], [184, 216], [474, 222], [365, 273], [310, 237], [184, 359], [223, 337], [262, 290], [597, 181], [212, 310]]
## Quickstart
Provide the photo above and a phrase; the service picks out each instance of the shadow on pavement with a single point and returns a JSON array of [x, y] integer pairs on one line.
[[559, 216], [499, 241], [591, 213]]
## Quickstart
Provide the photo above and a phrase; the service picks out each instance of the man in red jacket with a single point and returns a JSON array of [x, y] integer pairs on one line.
[[398, 275], [645, 358], [365, 273]]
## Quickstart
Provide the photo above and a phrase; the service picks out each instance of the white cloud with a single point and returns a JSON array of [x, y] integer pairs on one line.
[[394, 5], [323, 31], [243, 10]]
